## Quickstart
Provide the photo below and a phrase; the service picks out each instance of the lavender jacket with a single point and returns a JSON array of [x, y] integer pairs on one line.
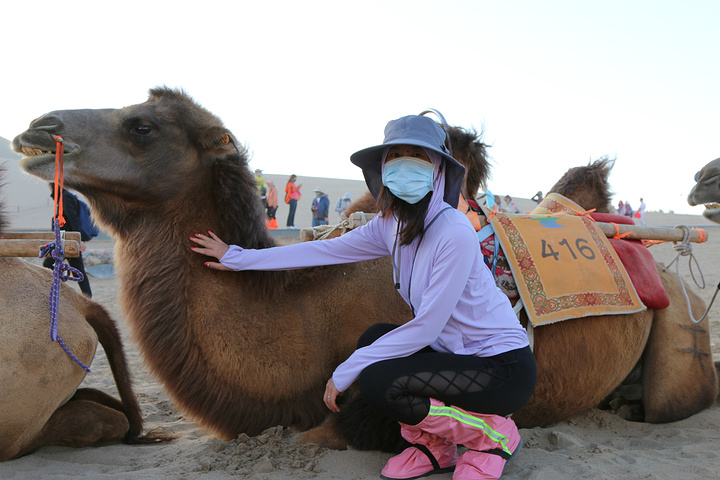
[[458, 308]]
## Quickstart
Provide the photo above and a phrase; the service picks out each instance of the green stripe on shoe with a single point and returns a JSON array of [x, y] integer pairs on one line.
[[472, 422]]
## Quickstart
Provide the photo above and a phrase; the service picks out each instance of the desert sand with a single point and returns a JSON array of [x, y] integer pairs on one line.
[[594, 445]]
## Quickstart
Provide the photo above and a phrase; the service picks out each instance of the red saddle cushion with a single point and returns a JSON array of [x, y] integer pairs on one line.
[[639, 263]]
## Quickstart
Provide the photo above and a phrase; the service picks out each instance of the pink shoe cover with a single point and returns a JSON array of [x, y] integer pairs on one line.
[[489, 462], [429, 454]]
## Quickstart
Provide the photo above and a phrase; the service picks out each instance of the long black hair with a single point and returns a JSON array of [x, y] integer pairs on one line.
[[411, 216]]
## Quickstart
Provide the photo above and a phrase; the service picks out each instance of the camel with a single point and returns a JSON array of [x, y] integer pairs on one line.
[[40, 403], [707, 190], [242, 351]]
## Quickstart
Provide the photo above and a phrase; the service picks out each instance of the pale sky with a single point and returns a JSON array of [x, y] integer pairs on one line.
[[304, 84]]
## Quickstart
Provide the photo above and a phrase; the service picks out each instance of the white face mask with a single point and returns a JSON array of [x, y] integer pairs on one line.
[[408, 178]]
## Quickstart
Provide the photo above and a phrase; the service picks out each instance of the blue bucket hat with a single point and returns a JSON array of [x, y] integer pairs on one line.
[[411, 130]]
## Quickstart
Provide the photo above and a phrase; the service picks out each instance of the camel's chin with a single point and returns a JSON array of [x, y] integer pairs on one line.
[[712, 212], [42, 166]]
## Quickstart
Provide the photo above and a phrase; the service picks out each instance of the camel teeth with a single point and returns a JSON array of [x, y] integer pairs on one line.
[[33, 152], [712, 206]]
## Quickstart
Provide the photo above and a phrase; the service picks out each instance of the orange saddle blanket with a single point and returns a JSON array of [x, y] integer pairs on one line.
[[565, 268]]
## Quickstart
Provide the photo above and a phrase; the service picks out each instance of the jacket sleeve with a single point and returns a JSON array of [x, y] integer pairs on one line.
[[364, 243]]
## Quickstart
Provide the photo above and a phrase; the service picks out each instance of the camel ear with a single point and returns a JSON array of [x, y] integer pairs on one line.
[[217, 140]]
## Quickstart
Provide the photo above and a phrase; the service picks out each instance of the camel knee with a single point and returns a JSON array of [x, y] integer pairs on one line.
[[83, 423]]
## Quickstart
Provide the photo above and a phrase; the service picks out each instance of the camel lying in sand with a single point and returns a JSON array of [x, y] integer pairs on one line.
[[40, 403], [707, 190], [243, 351]]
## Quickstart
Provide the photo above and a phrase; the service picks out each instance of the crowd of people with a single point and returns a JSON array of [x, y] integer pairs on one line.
[[319, 207], [625, 209]]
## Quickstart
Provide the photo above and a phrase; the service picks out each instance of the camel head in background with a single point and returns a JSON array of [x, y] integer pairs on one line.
[[707, 190]]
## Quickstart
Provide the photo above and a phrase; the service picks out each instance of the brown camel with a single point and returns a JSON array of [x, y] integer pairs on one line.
[[242, 351], [40, 403], [707, 190]]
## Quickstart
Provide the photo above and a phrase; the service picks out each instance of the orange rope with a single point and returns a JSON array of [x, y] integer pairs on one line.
[[492, 214], [702, 233], [617, 232], [59, 180], [650, 243], [586, 213]]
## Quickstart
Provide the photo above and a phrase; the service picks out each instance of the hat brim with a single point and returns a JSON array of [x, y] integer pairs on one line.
[[370, 161]]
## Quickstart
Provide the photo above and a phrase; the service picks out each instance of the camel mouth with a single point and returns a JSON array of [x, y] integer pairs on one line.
[[36, 159]]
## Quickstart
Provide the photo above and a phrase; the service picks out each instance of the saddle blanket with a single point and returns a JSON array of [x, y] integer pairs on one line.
[[563, 265]]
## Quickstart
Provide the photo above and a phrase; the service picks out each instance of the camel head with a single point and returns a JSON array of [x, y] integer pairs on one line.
[[707, 190], [588, 185], [166, 155], [468, 148]]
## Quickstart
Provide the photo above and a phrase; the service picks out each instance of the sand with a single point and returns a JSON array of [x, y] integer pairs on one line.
[[594, 445]]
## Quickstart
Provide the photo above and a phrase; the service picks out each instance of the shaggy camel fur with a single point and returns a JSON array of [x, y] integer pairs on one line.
[[40, 403], [242, 351], [707, 190]]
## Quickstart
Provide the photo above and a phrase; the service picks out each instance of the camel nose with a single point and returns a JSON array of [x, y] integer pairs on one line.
[[48, 122]]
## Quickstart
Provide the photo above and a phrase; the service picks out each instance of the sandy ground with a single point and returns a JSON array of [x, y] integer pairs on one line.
[[594, 445]]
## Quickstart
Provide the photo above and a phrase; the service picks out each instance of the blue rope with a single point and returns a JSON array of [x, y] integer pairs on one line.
[[63, 272]]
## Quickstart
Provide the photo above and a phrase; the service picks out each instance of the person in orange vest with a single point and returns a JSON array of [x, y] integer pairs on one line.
[[292, 195]]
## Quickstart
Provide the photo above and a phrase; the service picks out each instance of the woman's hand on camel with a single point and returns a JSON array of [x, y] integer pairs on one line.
[[331, 394], [212, 246]]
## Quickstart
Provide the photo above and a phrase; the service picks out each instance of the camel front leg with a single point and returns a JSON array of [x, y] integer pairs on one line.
[[81, 423]]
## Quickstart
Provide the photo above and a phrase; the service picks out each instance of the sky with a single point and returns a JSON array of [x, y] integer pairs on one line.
[[304, 84]]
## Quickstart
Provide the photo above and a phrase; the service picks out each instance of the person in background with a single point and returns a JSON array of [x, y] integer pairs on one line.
[[320, 208], [272, 204], [621, 208], [71, 213], [510, 206], [628, 209], [498, 203], [292, 195], [454, 373], [641, 212], [261, 186], [538, 197], [342, 204]]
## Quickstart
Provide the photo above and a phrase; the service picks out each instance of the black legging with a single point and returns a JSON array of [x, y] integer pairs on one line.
[[291, 213], [401, 388]]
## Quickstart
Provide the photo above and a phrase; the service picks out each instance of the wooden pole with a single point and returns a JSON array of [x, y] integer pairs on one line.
[[28, 244], [49, 236], [639, 232]]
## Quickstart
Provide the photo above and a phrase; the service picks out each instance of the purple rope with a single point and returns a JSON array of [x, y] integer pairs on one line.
[[63, 272]]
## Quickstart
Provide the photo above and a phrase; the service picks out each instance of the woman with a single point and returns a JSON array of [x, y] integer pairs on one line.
[[452, 374], [292, 195], [621, 208], [272, 204]]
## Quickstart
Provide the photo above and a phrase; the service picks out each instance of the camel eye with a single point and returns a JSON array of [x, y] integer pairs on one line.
[[142, 130]]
